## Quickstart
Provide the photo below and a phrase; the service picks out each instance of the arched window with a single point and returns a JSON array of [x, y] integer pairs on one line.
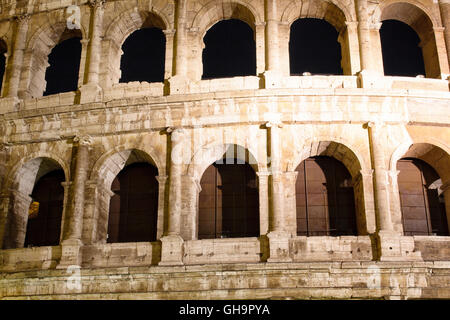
[[45, 213], [230, 50], [143, 56], [64, 66], [314, 48], [3, 51], [134, 206], [325, 198], [402, 55], [423, 208], [229, 201]]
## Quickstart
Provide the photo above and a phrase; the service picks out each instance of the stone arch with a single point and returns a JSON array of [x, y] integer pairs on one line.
[[118, 31], [111, 163], [208, 154], [339, 150], [431, 151], [407, 11], [434, 153], [333, 11], [102, 176], [20, 184], [355, 164], [39, 46], [214, 12], [422, 20]]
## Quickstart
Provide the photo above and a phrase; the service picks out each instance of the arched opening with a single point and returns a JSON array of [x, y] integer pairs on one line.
[[229, 201], [230, 50], [401, 45], [133, 209], [314, 48], [64, 64], [3, 51], [402, 55], [36, 197], [422, 203], [45, 212], [324, 198], [143, 56]]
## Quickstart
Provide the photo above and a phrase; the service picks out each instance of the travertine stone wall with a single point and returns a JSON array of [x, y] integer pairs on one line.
[[363, 119]]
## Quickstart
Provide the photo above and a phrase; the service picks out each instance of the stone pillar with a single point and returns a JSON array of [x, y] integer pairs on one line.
[[352, 47], [444, 6], [446, 190], [369, 45], [162, 183], [263, 188], [380, 180], [170, 36], [272, 75], [92, 92], [278, 235], [4, 209], [172, 242], [73, 226], [395, 205], [391, 245], [442, 54], [17, 56], [179, 81]]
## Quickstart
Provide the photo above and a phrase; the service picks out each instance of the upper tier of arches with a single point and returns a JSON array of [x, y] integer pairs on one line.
[[184, 25]]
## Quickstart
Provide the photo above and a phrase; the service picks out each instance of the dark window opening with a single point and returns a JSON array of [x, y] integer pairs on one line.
[[423, 209], [62, 73], [314, 48], [133, 209], [230, 50], [143, 56], [45, 213], [324, 198], [402, 55], [3, 51], [229, 201]]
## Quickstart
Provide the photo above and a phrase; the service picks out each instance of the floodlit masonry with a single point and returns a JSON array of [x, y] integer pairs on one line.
[[270, 185]]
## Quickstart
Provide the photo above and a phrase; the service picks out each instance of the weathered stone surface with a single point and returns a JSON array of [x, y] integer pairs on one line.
[[364, 119]]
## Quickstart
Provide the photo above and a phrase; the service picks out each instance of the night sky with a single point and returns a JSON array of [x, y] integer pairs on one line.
[[230, 51]]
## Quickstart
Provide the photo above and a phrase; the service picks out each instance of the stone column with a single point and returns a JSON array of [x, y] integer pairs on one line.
[[172, 242], [263, 188], [371, 68], [92, 92], [353, 47], [73, 226], [442, 53], [272, 75], [278, 235], [391, 244], [17, 56], [162, 183], [380, 180], [446, 190], [444, 6], [4, 209], [179, 81], [396, 211], [170, 36]]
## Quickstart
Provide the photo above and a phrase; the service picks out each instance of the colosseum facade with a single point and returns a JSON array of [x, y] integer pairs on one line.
[[266, 186]]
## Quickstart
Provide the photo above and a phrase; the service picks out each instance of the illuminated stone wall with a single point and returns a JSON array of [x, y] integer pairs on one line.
[[364, 119]]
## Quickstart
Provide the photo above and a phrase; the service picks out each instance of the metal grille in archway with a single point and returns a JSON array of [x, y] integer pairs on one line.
[[44, 220], [324, 198], [228, 202], [423, 209], [134, 206]]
